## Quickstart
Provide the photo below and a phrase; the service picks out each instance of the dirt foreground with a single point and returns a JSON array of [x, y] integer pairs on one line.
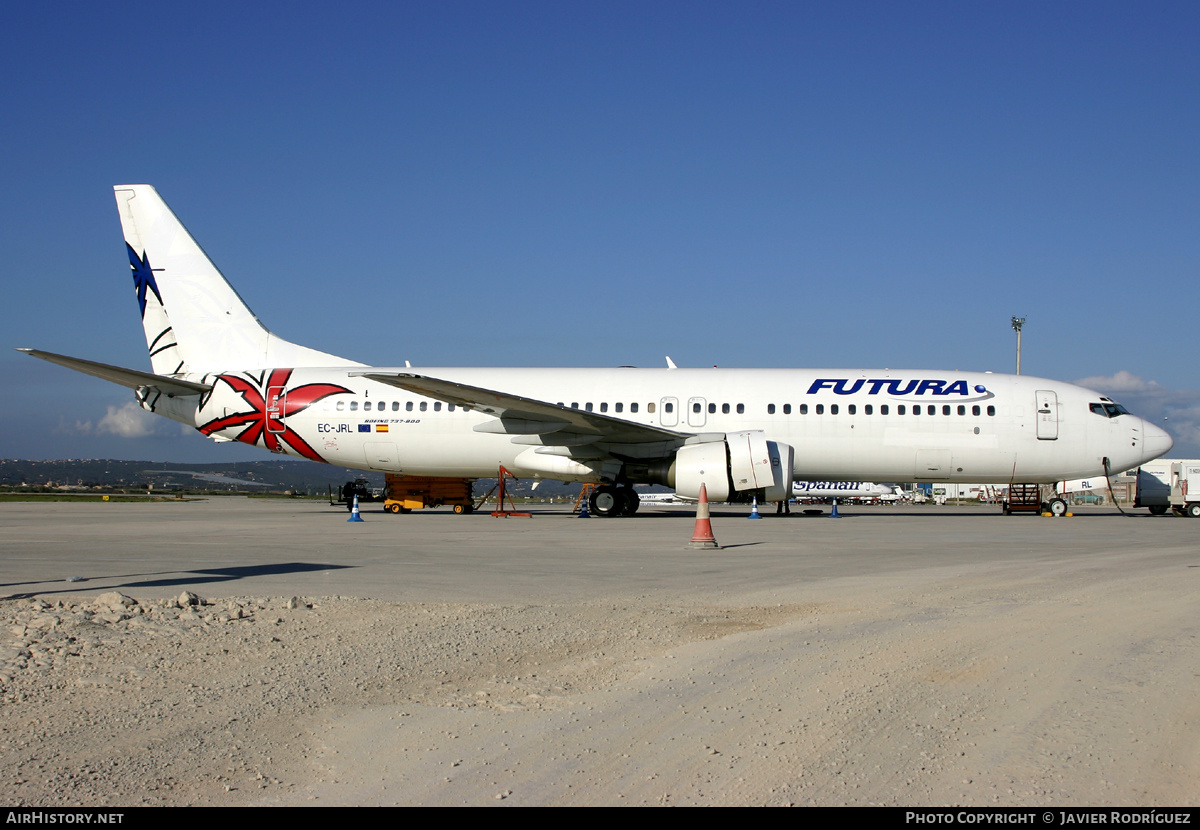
[[992, 684]]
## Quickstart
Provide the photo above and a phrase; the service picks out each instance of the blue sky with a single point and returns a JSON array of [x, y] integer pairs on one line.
[[741, 184]]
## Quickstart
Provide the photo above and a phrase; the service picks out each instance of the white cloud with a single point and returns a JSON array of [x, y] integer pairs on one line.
[[128, 421], [1122, 381]]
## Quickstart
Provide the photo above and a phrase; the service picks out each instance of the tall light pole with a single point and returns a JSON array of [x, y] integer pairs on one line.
[[1017, 322]]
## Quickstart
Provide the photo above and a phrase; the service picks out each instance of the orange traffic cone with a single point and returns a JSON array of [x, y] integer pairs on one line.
[[702, 537]]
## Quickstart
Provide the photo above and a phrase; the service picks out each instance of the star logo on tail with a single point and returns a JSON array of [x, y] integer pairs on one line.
[[143, 278]]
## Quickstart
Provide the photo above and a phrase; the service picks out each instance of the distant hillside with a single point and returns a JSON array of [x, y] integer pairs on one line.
[[246, 476]]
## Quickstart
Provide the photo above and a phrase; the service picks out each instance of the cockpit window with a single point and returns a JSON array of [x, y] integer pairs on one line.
[[1108, 409]]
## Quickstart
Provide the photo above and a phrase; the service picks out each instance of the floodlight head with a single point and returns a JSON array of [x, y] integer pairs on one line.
[[1017, 322]]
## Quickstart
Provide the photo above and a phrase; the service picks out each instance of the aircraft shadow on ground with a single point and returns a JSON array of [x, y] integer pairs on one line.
[[174, 579]]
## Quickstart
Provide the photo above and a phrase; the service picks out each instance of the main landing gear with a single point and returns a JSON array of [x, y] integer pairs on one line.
[[608, 500]]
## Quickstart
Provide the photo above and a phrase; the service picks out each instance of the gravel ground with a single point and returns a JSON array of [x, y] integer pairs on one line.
[[969, 685]]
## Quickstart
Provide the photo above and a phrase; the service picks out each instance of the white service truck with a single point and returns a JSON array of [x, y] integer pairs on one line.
[[1154, 486], [1185, 488]]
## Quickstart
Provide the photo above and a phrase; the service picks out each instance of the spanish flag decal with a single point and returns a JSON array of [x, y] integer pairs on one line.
[[381, 427]]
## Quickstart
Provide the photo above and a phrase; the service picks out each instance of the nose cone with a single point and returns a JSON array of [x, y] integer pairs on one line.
[[1155, 441]]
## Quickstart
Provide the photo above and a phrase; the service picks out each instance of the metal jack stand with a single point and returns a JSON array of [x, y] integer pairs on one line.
[[500, 511]]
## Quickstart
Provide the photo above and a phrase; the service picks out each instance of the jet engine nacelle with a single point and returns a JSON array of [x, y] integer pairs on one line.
[[742, 461]]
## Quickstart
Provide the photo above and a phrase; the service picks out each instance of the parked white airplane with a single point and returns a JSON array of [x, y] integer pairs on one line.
[[215, 367], [847, 490]]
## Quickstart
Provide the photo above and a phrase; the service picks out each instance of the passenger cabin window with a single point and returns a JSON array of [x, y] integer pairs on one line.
[[408, 406], [649, 408], [883, 409], [633, 407], [991, 410], [787, 409], [900, 409], [341, 406], [437, 406], [803, 409], [424, 405], [770, 409], [724, 409], [366, 406], [833, 409], [712, 409], [869, 409], [668, 407], [354, 406], [604, 407], [975, 410], [619, 407], [820, 409], [697, 407], [852, 409]]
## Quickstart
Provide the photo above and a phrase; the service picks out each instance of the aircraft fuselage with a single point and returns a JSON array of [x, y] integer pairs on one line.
[[893, 425]]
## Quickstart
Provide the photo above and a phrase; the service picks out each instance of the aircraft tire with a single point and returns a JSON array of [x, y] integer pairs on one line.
[[607, 501], [632, 502], [1058, 507]]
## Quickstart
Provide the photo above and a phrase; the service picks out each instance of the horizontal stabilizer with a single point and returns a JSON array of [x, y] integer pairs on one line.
[[125, 377], [515, 408]]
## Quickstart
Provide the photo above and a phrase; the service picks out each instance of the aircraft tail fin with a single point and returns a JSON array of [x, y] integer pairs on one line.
[[193, 318]]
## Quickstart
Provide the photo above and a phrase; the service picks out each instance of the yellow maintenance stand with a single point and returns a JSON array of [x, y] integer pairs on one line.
[[403, 494]]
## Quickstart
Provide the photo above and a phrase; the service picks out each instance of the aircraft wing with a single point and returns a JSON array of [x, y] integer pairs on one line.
[[526, 416], [125, 377]]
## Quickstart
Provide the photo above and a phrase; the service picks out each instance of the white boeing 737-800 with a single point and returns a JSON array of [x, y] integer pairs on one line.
[[216, 368]]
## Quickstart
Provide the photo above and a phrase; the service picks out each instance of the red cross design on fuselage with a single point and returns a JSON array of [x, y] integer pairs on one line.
[[271, 404]]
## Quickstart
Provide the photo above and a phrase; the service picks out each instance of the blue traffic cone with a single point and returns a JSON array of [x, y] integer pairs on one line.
[[583, 511], [754, 509], [834, 514], [354, 517]]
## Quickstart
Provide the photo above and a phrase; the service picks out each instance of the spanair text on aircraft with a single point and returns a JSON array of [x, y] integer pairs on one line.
[[738, 431]]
